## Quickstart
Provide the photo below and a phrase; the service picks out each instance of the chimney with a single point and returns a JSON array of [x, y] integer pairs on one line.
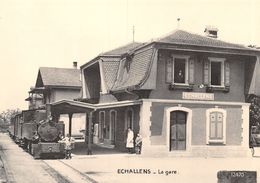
[[211, 31], [75, 65]]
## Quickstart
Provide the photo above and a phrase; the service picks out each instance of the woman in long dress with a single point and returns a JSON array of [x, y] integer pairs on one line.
[[130, 140]]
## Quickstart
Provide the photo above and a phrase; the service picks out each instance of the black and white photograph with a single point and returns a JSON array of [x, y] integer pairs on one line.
[[130, 91]]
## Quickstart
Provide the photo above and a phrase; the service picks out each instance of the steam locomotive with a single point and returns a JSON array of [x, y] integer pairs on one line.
[[38, 133]]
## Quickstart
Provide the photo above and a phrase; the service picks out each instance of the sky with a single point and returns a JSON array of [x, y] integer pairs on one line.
[[54, 33]]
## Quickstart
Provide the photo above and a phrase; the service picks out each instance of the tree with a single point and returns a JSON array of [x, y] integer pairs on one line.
[[254, 114], [5, 116]]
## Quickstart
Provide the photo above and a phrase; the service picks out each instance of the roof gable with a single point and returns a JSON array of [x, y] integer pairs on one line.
[[39, 82], [59, 77]]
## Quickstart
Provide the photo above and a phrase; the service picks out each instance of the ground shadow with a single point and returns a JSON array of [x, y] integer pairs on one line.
[[81, 148]]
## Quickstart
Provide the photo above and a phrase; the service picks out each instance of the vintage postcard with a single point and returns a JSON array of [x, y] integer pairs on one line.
[[120, 91]]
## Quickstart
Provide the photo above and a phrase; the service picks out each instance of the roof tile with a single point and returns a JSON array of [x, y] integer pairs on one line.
[[137, 71], [123, 49], [110, 67]]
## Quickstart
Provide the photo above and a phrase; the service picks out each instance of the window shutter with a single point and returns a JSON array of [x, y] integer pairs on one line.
[[212, 131], [169, 70], [191, 71], [227, 74], [206, 72]]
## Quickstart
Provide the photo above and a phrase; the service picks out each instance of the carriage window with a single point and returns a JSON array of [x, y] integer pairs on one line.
[[216, 126]]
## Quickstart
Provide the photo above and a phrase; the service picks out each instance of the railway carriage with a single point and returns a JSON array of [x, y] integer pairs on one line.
[[15, 127]]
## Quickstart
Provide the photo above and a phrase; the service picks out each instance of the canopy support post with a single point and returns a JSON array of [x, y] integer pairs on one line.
[[89, 118], [70, 122]]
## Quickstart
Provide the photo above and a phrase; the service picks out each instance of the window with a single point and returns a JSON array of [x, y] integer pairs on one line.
[[177, 70], [216, 126], [217, 71]]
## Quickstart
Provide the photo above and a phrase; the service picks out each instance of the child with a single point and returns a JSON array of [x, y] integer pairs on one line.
[[138, 144]]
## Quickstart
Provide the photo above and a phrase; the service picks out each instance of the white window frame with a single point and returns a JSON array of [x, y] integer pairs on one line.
[[224, 113], [132, 122], [186, 68], [222, 60]]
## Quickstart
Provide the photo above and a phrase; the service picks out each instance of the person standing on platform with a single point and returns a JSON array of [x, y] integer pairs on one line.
[[68, 145], [138, 144], [130, 140]]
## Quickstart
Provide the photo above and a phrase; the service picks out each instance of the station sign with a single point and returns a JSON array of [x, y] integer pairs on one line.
[[197, 96]]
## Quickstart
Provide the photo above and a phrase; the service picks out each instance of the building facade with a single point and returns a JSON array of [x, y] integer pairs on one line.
[[184, 93], [54, 84]]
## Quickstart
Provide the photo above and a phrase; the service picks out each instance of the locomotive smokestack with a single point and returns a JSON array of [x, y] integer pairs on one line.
[[75, 65]]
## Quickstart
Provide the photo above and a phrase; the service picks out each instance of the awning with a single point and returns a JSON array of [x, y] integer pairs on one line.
[[71, 106], [38, 90], [28, 99]]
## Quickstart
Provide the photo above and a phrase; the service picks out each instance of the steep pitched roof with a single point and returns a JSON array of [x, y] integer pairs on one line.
[[110, 68], [187, 38], [61, 77], [115, 53], [138, 69]]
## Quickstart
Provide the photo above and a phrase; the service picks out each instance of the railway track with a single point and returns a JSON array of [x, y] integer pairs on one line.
[[63, 172], [17, 166], [3, 177], [6, 174]]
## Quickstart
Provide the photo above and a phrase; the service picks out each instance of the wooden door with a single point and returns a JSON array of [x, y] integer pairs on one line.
[[177, 130]]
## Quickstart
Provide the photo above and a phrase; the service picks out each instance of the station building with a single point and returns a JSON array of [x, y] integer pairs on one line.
[[54, 84], [184, 93]]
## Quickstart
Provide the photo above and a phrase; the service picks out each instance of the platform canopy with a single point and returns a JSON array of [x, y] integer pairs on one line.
[[71, 106]]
